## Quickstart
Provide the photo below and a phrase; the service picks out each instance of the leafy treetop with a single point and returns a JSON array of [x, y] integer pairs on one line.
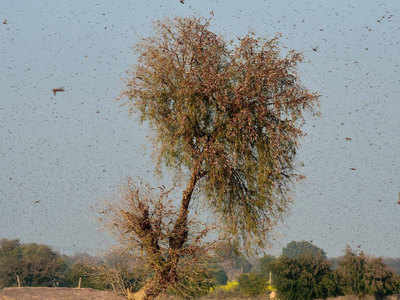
[[296, 249], [230, 113]]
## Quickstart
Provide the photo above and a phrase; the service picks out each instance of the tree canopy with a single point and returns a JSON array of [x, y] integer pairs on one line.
[[10, 262], [296, 249], [35, 264], [365, 275], [304, 277], [266, 264], [230, 113]]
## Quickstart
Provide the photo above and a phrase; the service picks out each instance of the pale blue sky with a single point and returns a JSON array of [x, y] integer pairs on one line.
[[70, 151]]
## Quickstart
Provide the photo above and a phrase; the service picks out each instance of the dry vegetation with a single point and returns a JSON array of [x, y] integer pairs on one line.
[[45, 293]]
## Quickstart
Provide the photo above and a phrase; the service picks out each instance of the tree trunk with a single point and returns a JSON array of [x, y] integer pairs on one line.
[[149, 291], [180, 229], [154, 287]]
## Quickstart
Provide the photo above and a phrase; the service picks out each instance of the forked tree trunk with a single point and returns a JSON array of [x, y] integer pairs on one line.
[[154, 287]]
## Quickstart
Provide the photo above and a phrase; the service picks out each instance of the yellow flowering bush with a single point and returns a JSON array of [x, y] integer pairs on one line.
[[228, 287]]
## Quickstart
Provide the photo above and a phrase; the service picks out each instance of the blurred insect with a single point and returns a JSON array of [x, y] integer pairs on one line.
[[56, 90], [315, 49], [36, 202], [300, 177], [348, 139], [398, 201], [182, 1], [5, 21], [353, 169]]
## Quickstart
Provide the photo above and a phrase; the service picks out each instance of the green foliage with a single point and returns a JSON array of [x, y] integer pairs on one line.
[[218, 275], [194, 286], [363, 275], [10, 262], [393, 263], [36, 265], [304, 278], [266, 264], [380, 279], [231, 257], [41, 266], [87, 275], [296, 249], [252, 284]]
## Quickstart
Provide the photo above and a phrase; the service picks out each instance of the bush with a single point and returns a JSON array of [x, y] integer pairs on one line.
[[10, 262], [218, 275], [296, 249], [363, 275], [265, 264], [304, 278], [252, 284]]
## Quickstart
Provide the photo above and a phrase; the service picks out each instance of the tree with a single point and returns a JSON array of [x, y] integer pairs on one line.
[[266, 264], [380, 279], [227, 117], [36, 265], [10, 262], [304, 277], [252, 284], [41, 266], [393, 263], [219, 275], [362, 275], [296, 249], [229, 256]]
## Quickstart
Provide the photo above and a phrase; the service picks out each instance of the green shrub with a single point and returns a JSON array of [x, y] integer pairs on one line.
[[362, 275], [304, 278], [252, 284], [219, 276]]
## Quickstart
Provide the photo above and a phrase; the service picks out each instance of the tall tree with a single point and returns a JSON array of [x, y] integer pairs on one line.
[[41, 266], [227, 116], [10, 262], [363, 275], [230, 257], [296, 249], [305, 277], [35, 264], [265, 264]]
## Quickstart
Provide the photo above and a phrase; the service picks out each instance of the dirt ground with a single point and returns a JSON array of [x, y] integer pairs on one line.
[[43, 293]]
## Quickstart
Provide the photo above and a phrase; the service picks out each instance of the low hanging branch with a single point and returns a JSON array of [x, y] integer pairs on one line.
[[148, 221]]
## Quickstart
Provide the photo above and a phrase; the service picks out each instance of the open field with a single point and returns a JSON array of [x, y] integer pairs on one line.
[[45, 293]]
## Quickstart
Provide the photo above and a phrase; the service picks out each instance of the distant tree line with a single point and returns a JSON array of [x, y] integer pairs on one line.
[[303, 271], [33, 264], [38, 265]]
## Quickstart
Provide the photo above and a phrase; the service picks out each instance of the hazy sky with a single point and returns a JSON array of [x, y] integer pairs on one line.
[[72, 150]]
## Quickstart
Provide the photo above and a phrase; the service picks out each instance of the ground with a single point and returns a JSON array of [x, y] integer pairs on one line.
[[44, 293]]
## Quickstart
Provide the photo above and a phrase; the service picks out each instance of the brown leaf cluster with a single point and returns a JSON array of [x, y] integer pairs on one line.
[[233, 109], [144, 219]]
